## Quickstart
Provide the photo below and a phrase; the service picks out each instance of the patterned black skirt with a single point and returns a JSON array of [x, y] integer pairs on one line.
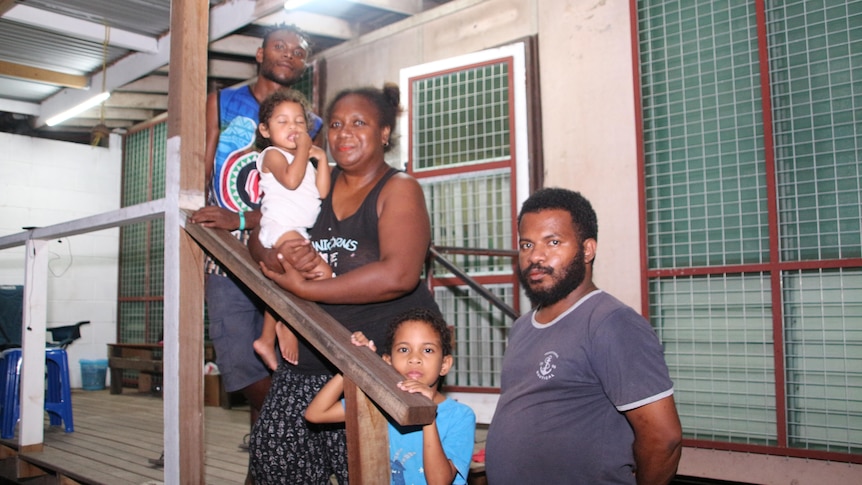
[[286, 449]]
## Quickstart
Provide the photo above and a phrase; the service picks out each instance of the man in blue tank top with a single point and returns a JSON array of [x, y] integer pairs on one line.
[[233, 203]]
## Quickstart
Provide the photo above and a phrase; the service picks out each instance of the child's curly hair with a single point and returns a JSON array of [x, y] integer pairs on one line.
[[432, 318], [268, 106]]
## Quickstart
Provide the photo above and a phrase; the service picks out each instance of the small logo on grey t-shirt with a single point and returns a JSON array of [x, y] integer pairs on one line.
[[547, 366]]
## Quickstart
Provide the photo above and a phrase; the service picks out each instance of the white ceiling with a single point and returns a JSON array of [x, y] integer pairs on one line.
[[52, 52]]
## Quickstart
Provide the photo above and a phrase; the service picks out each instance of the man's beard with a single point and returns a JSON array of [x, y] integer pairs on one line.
[[268, 73], [571, 277]]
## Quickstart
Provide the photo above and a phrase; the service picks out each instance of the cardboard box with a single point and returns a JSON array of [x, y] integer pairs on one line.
[[212, 390]]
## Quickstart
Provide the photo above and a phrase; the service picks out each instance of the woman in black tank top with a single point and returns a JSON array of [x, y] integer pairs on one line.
[[374, 231]]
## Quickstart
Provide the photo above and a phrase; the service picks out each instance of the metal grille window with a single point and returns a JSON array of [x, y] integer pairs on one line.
[[472, 212], [480, 334], [462, 117], [753, 190], [717, 335], [703, 136], [823, 338], [140, 317], [817, 98], [462, 122]]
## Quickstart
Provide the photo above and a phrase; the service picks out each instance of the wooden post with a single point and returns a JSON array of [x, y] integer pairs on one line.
[[184, 288], [367, 438], [35, 313]]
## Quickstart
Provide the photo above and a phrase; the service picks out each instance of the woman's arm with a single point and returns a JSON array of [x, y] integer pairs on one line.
[[324, 171], [326, 406], [303, 258], [404, 231]]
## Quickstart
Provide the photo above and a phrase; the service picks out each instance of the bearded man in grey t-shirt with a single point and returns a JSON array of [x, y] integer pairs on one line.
[[585, 397]]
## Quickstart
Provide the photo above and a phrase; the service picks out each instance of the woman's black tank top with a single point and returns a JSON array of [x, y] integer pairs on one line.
[[346, 245]]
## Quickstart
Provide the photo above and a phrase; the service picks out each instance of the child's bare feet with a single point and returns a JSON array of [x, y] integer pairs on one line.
[[287, 343], [266, 350]]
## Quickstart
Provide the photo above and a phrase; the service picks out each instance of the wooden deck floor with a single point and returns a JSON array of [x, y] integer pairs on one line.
[[116, 435]]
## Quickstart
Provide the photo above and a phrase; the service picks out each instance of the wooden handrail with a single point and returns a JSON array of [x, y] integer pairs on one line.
[[366, 369]]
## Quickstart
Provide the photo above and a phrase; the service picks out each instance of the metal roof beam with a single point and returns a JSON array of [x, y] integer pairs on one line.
[[403, 7], [151, 84], [227, 17], [138, 100], [45, 76], [123, 113], [312, 23], [81, 29], [120, 73], [239, 45], [224, 19], [22, 107]]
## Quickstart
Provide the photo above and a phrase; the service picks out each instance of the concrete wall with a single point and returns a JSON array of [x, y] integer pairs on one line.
[[44, 182], [587, 98]]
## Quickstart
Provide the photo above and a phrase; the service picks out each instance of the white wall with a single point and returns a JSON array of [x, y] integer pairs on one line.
[[45, 182]]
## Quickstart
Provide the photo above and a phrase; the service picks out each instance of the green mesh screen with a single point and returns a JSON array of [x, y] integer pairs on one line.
[[305, 84], [717, 335], [480, 334], [462, 117], [823, 338], [706, 199], [137, 158], [141, 282], [706, 196], [816, 67], [472, 211]]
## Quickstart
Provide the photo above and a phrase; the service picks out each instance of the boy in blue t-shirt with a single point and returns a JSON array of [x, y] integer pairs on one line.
[[418, 345]]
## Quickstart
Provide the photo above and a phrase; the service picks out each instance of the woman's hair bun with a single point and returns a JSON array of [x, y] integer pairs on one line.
[[392, 93]]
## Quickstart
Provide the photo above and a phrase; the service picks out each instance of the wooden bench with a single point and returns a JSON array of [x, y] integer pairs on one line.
[[144, 358]]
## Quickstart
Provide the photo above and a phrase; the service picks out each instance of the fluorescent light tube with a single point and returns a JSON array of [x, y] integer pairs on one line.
[[65, 115]]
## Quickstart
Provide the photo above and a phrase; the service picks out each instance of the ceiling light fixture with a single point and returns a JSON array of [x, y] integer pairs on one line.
[[294, 4], [69, 113]]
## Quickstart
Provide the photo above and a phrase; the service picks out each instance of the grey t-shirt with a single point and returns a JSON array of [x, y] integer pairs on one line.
[[565, 386]]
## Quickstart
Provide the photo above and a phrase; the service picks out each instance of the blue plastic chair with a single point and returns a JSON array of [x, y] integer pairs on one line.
[[58, 392], [10, 372]]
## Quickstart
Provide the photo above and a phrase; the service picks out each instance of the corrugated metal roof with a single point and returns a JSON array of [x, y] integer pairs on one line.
[[42, 48], [148, 17], [44, 41]]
